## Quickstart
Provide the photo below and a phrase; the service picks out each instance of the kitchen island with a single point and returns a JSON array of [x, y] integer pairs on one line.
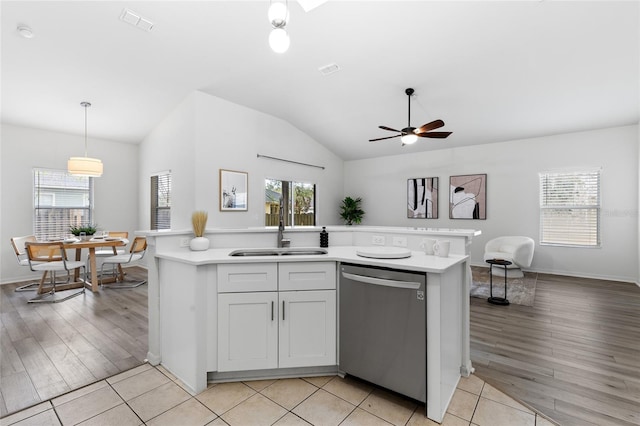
[[188, 331]]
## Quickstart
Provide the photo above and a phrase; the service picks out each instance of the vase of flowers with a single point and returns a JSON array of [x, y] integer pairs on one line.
[[199, 222]]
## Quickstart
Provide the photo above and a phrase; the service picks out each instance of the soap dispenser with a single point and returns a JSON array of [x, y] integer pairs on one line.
[[324, 237]]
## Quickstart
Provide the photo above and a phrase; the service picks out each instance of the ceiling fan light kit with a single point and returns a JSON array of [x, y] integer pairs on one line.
[[409, 134], [278, 15], [279, 40], [85, 166], [409, 138]]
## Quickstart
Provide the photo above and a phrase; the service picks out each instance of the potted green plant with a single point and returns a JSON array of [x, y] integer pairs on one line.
[[86, 230], [350, 210]]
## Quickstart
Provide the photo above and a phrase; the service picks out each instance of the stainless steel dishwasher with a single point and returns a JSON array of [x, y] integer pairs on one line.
[[383, 328]]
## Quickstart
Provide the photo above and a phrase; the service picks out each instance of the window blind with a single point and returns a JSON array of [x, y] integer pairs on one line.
[[161, 201], [570, 208], [60, 201]]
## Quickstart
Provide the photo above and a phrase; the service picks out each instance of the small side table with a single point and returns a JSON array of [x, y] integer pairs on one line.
[[498, 300]]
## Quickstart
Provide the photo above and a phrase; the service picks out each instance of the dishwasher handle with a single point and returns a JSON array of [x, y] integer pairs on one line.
[[409, 285]]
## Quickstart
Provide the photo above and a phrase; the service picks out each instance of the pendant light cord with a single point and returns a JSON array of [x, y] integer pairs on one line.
[[85, 105]]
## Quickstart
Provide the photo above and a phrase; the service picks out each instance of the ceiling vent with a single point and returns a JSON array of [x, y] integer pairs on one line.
[[329, 69], [133, 18]]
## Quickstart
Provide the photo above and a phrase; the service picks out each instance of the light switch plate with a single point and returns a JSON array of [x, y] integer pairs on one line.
[[184, 242], [400, 241], [378, 240]]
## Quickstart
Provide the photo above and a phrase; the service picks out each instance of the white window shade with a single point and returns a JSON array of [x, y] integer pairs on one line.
[[570, 208], [60, 201]]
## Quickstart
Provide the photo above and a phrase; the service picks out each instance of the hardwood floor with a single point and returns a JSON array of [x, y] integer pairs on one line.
[[50, 349], [574, 356]]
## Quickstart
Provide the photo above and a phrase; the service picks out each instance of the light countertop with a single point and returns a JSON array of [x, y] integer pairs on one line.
[[419, 261]]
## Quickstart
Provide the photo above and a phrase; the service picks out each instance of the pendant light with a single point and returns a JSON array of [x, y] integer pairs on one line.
[[278, 15], [85, 166]]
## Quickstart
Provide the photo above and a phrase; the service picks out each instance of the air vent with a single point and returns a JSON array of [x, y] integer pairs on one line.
[[133, 18], [329, 69]]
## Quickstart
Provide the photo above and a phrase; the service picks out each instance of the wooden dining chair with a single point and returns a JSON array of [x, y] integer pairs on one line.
[[108, 251], [17, 243], [49, 258], [103, 252], [136, 252]]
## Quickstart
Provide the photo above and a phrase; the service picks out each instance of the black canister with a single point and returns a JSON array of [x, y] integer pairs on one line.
[[324, 237]]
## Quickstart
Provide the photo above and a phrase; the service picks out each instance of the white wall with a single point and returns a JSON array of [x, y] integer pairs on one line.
[[22, 149], [205, 134], [513, 194], [170, 146]]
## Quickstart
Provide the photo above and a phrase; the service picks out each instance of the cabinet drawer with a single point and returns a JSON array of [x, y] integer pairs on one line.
[[247, 277], [307, 276]]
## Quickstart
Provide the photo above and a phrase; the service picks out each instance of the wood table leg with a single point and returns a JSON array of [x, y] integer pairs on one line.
[[120, 271], [41, 286], [76, 272], [94, 272]]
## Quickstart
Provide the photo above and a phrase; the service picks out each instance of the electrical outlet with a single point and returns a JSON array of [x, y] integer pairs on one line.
[[400, 241], [378, 240], [184, 242]]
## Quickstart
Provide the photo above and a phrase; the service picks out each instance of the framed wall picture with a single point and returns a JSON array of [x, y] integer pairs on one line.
[[422, 198], [234, 191], [468, 197]]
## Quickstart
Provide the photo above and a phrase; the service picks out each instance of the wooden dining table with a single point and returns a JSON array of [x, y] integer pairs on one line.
[[91, 245]]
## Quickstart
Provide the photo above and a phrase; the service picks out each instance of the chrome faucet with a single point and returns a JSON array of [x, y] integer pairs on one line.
[[282, 242]]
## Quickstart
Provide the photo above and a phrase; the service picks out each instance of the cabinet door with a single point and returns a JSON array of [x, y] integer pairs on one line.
[[307, 328], [247, 331]]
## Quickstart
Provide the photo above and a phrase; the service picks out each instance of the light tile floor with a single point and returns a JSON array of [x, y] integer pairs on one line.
[[152, 396]]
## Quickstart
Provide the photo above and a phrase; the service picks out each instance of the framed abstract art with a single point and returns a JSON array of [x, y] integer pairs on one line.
[[422, 198], [468, 197]]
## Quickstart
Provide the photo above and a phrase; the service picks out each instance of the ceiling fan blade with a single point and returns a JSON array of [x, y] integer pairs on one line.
[[390, 129], [380, 139], [439, 135], [435, 124]]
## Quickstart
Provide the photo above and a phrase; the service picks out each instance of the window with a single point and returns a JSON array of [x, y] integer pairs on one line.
[[570, 208], [60, 201], [298, 203], [161, 201]]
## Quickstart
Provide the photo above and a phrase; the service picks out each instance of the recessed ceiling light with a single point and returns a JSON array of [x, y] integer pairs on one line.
[[25, 31]]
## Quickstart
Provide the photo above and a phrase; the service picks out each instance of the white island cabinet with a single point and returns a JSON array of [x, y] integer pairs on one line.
[[262, 328], [210, 313], [247, 331]]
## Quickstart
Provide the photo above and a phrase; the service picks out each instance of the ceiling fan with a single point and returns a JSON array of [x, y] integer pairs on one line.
[[409, 134]]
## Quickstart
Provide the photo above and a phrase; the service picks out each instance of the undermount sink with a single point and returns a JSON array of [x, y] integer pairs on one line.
[[287, 251]]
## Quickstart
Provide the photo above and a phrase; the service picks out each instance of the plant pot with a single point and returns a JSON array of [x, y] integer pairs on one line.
[[85, 237], [199, 244]]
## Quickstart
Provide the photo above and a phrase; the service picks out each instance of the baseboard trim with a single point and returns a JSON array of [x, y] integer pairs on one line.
[[573, 274], [36, 277]]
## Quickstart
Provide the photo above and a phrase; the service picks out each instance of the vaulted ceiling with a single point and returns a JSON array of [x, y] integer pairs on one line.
[[493, 71]]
